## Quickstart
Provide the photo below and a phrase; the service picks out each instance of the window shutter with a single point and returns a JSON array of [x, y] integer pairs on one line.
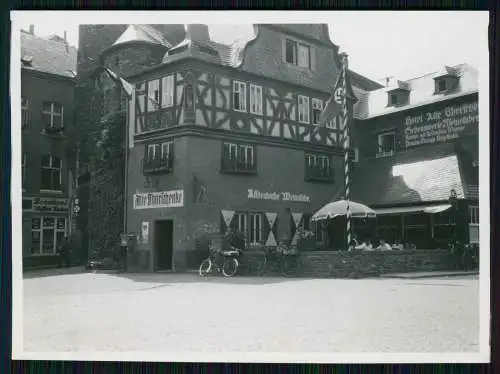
[[283, 49], [312, 56], [167, 91], [270, 232]]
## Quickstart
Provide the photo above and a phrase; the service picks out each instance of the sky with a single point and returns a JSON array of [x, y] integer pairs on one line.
[[398, 44]]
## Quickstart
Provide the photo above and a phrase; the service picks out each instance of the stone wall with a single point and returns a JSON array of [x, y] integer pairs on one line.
[[356, 264]]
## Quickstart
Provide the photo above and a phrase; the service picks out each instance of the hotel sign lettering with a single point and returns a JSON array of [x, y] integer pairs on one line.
[[165, 199], [278, 196], [442, 125]]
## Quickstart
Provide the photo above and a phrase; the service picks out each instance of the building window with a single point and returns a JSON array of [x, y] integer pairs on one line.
[[51, 173], [239, 96], [238, 158], [167, 88], [303, 109], [239, 223], [154, 95], [159, 158], [386, 144], [317, 108], [393, 99], [255, 228], [318, 167], [441, 85], [291, 52], [474, 215], [398, 98], [46, 234], [23, 168], [255, 99], [297, 54], [25, 116], [304, 56], [52, 117]]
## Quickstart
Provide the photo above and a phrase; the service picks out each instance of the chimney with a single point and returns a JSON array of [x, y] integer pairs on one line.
[[32, 29], [197, 32], [388, 81], [65, 36]]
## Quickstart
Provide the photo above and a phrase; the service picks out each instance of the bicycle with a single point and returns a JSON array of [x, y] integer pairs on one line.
[[221, 261]]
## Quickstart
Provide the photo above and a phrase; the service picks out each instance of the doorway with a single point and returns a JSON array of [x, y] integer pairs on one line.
[[164, 244]]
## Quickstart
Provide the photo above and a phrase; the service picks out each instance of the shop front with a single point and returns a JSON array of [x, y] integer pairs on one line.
[[45, 223]]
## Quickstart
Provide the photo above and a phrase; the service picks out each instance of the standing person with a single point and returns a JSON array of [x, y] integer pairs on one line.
[[64, 252], [458, 254], [123, 258]]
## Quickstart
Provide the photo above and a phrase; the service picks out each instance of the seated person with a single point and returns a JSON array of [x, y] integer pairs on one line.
[[353, 244], [384, 246], [397, 245], [365, 245]]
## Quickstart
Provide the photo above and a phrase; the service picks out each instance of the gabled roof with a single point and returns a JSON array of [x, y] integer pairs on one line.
[[421, 92], [230, 55], [48, 56]]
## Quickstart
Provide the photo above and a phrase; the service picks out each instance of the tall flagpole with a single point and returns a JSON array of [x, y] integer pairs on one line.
[[346, 148], [128, 119]]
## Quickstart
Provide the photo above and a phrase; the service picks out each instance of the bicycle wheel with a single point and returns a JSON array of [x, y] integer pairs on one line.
[[205, 267], [230, 267]]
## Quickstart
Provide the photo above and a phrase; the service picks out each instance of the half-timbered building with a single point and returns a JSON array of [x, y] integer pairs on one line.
[[227, 135]]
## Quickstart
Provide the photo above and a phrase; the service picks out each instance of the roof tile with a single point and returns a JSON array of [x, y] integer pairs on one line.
[[48, 56]]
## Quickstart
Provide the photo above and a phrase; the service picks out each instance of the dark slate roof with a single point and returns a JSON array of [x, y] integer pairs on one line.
[[417, 175], [48, 56]]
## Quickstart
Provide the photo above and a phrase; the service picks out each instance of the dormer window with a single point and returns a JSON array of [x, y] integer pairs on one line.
[[445, 84], [298, 54], [393, 99], [446, 80], [398, 93], [397, 98]]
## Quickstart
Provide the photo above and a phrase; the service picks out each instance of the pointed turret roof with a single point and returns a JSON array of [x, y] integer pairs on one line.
[[142, 33]]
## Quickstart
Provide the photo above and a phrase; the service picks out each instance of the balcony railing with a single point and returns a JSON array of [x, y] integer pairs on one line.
[[319, 173], [238, 166], [153, 165]]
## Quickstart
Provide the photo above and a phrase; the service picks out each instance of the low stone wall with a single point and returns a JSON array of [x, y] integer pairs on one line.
[[355, 264]]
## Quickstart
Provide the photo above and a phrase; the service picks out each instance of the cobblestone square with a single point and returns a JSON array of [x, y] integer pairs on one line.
[[172, 312]]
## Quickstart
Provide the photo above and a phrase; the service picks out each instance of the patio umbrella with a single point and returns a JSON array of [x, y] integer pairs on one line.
[[339, 208]]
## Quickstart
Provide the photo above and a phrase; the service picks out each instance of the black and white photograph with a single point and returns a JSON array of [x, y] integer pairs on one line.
[[255, 186]]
